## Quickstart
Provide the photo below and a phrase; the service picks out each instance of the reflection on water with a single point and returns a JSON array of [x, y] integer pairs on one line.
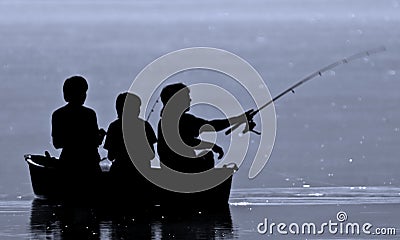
[[50, 220], [315, 195], [25, 218]]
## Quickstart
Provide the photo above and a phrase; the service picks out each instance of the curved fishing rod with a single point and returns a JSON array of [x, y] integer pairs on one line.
[[251, 124]]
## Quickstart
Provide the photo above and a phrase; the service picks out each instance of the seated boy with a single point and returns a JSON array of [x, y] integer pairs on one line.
[[115, 144]]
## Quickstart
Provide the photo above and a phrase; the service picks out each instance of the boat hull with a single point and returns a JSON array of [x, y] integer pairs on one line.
[[48, 183]]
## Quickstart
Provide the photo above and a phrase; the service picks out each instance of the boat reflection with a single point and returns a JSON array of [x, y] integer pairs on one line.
[[53, 220]]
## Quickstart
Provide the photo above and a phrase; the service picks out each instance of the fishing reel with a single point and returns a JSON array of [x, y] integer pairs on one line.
[[250, 124], [250, 127]]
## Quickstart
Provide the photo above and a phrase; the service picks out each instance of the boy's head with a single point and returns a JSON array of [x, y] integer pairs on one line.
[[179, 93], [74, 90], [169, 91], [134, 101]]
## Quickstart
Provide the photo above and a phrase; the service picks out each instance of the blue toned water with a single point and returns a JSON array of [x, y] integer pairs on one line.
[[315, 196], [337, 136], [28, 218]]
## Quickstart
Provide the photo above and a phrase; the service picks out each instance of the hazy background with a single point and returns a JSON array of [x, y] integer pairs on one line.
[[339, 130], [339, 134]]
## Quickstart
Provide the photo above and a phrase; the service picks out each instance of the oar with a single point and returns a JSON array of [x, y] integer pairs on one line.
[[307, 78]]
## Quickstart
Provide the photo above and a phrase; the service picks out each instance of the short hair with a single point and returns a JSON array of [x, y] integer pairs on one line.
[[74, 86], [119, 103], [169, 91]]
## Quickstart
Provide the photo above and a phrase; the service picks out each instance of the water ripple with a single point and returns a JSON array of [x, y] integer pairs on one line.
[[315, 195]]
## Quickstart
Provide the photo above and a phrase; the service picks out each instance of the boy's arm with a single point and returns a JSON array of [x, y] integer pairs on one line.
[[220, 124], [151, 136], [99, 134], [108, 144], [56, 130]]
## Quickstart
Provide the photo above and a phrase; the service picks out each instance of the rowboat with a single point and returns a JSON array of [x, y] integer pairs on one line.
[[48, 182]]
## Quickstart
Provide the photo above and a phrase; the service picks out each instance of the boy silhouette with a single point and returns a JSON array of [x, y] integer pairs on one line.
[[179, 130], [122, 164], [75, 131]]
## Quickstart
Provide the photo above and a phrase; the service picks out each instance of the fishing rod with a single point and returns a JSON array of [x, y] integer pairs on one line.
[[250, 122], [152, 109]]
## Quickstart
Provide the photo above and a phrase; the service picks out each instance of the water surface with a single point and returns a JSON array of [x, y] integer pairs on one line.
[[337, 136]]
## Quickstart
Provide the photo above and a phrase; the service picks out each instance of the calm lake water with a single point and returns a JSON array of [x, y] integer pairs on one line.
[[337, 140]]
